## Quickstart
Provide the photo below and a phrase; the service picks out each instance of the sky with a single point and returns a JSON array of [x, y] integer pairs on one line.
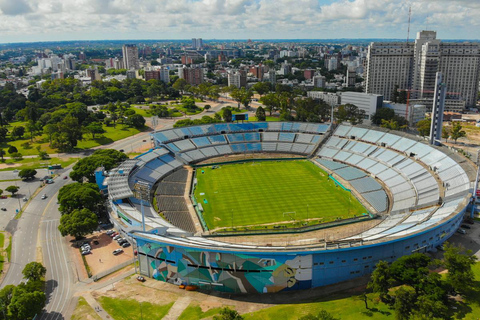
[[56, 20]]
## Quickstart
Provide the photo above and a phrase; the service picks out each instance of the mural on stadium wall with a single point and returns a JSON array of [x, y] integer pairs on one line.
[[228, 272]]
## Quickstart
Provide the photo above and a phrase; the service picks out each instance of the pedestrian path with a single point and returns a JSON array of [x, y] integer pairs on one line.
[[177, 308], [96, 306]]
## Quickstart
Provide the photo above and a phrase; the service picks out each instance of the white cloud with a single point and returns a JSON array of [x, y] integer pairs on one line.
[[27, 20]]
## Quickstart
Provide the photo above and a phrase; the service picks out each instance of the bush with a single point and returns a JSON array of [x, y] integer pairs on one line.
[[17, 156], [12, 149]]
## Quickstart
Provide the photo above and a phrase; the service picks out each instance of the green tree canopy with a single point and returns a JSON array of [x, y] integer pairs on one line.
[[76, 196], [12, 189], [423, 127], [349, 113], [459, 263], [456, 132], [228, 314], [27, 174], [136, 121], [34, 271], [95, 128], [382, 114], [227, 115], [78, 223], [260, 114], [85, 167]]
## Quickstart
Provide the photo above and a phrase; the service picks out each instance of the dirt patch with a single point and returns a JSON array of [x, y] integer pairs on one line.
[[9, 165], [102, 258]]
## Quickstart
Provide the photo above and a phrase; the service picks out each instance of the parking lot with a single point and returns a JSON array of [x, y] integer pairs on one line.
[[101, 257]]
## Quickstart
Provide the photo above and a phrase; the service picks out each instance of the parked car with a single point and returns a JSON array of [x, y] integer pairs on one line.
[[49, 181], [113, 235], [461, 231], [469, 221], [109, 232], [464, 226], [117, 237], [117, 251], [125, 244], [86, 247], [141, 279]]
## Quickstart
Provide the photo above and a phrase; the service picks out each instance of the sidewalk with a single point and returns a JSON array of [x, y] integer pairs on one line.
[[94, 304]]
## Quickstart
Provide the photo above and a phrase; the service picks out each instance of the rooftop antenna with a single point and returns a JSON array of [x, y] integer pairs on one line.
[[409, 15]]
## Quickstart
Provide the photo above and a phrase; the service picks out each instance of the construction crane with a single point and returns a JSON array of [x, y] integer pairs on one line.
[[422, 91]]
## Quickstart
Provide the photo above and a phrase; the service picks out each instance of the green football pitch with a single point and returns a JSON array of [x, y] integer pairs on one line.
[[257, 193]]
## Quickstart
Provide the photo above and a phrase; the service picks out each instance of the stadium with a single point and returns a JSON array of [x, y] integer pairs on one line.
[[263, 207]]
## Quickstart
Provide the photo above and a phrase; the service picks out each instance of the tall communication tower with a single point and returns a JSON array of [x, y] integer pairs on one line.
[[409, 15]]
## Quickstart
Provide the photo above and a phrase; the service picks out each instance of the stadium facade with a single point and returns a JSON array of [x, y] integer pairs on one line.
[[421, 193]]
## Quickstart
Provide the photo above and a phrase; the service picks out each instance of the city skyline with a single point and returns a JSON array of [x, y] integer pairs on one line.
[[51, 20]]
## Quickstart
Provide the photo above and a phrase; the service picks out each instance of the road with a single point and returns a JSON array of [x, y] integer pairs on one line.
[[60, 277]]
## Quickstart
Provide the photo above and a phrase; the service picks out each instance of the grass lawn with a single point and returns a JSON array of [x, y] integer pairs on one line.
[[2, 254], [35, 163], [123, 309], [143, 112], [341, 306], [256, 193], [194, 311], [266, 119], [84, 311], [112, 134]]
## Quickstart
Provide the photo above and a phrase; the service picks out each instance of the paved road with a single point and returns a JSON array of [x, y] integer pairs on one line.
[[25, 232], [60, 278]]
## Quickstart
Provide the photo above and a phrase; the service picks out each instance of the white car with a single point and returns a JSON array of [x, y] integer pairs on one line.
[[117, 237], [44, 196]]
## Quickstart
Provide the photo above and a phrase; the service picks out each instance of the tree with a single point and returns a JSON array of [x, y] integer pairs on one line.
[[423, 127], [349, 112], [78, 223], [445, 133], [95, 128], [227, 115], [49, 129], [85, 167], [261, 87], [207, 107], [17, 156], [459, 263], [228, 314], [404, 302], [382, 114], [271, 102], [18, 132], [381, 280], [457, 131], [27, 174], [322, 315], [12, 149], [76, 196], [136, 121], [242, 96], [3, 133], [179, 85], [2, 154], [25, 305], [260, 114], [34, 271], [68, 133], [411, 269], [12, 189]]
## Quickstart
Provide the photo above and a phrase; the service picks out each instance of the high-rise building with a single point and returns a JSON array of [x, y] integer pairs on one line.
[[351, 77], [237, 78], [94, 74], [319, 81], [130, 57], [272, 76], [161, 74], [414, 66], [197, 43], [193, 76], [309, 73], [257, 71]]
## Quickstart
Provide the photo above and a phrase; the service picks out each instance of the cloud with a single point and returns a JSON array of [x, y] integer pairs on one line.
[[182, 19], [14, 7]]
